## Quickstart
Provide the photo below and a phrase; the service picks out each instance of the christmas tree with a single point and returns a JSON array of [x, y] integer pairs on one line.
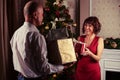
[[56, 15]]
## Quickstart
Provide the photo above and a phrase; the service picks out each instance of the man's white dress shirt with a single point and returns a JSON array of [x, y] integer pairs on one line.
[[30, 51]]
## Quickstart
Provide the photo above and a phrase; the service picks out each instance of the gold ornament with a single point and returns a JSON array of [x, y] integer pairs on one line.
[[74, 24], [65, 24], [54, 75], [46, 27], [114, 44]]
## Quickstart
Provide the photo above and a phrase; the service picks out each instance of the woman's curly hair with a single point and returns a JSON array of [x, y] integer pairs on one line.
[[93, 20]]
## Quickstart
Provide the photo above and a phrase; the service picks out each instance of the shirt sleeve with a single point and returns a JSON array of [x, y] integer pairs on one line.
[[36, 58]]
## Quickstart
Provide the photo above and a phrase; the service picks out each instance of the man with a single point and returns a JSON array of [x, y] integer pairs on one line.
[[29, 46]]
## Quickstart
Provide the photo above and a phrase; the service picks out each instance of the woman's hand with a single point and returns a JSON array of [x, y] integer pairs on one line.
[[87, 52]]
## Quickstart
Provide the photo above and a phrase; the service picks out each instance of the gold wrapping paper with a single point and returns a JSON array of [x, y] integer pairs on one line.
[[66, 49], [61, 51]]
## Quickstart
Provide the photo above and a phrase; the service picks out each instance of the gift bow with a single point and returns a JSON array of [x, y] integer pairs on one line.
[[76, 41]]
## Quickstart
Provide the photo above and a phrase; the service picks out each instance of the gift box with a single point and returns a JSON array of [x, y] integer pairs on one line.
[[61, 51], [82, 46]]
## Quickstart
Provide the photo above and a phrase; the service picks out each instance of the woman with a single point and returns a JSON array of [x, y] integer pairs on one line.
[[88, 64]]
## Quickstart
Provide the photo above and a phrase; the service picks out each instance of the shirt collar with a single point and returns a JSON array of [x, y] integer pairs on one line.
[[31, 25]]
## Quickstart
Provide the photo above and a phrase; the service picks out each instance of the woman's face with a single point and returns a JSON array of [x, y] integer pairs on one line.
[[88, 29]]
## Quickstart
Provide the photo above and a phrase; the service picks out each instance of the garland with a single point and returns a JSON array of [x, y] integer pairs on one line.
[[111, 43]]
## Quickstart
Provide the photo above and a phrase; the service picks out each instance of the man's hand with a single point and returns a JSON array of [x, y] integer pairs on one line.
[[68, 65]]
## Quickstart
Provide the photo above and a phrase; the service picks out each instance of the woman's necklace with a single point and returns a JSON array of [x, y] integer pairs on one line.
[[89, 39]]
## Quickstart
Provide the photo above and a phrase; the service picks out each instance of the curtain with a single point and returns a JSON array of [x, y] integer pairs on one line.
[[10, 19], [3, 40]]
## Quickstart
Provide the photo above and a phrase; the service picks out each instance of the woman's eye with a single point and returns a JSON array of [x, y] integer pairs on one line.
[[90, 25]]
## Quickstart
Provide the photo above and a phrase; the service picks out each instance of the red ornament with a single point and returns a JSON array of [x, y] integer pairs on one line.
[[47, 9], [66, 11], [69, 27], [57, 13]]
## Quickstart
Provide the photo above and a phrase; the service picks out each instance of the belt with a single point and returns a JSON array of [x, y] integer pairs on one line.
[[38, 78]]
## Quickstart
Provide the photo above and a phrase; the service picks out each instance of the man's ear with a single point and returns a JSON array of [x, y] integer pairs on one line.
[[35, 15]]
